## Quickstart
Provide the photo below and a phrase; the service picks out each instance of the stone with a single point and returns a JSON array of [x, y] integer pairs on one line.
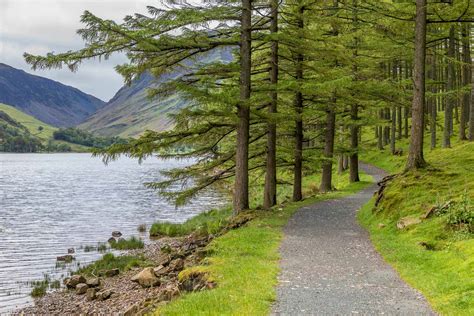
[[112, 272], [74, 280], [65, 258], [132, 310], [163, 260], [176, 265], [81, 288], [103, 295], [111, 240], [116, 234], [94, 282], [71, 250], [161, 270], [146, 278], [407, 221], [91, 294]]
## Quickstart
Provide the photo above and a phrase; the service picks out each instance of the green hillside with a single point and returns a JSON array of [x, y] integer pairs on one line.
[[32, 124]]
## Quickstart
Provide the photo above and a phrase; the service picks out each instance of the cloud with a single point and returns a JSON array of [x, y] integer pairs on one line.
[[42, 26]]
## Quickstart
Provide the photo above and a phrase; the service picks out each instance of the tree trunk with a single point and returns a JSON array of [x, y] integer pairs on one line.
[[354, 156], [448, 115], [241, 189], [433, 108], [298, 159], [467, 77], [326, 177], [270, 176], [415, 154]]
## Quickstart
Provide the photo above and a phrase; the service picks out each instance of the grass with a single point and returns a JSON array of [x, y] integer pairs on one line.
[[128, 244], [209, 222], [245, 262], [437, 255], [40, 288], [109, 261], [31, 123]]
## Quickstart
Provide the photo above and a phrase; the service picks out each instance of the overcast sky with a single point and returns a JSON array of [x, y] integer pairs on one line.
[[42, 26]]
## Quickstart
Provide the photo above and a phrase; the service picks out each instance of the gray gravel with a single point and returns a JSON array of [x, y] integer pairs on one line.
[[330, 267]]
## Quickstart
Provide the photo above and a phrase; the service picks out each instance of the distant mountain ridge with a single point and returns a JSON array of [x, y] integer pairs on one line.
[[45, 99], [130, 112]]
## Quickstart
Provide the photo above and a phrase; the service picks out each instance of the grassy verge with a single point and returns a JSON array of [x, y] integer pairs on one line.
[[244, 262], [435, 256]]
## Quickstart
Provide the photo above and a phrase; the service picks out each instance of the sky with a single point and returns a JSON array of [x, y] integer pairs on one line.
[[42, 26]]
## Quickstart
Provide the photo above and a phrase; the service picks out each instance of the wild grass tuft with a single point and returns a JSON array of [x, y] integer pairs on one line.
[[205, 223], [128, 244], [110, 261]]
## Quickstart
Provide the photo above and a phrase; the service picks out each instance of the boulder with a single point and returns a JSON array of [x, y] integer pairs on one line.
[[94, 282], [73, 281], [111, 240], [163, 260], [146, 278], [71, 250], [103, 295], [81, 288], [112, 272], [91, 294], [407, 221], [116, 234]]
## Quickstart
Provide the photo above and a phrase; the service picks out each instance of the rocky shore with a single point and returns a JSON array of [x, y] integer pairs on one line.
[[133, 292]]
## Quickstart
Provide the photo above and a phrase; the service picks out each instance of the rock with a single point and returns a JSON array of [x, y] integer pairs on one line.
[[103, 295], [71, 250], [112, 272], [116, 234], [132, 310], [81, 288], [166, 249], [381, 225], [91, 294], [195, 281], [161, 270], [407, 221], [111, 240], [163, 260], [74, 280], [146, 278], [176, 265], [168, 293], [94, 282], [65, 258]]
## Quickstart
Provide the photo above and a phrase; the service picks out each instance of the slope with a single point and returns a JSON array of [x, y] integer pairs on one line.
[[47, 100], [130, 112]]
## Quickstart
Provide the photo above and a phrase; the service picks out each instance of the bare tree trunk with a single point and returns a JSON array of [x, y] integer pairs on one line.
[[433, 109], [393, 125], [298, 163], [448, 115], [467, 77], [241, 189], [415, 154], [326, 177], [270, 176]]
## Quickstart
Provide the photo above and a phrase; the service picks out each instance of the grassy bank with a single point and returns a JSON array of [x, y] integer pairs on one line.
[[244, 262], [435, 256]]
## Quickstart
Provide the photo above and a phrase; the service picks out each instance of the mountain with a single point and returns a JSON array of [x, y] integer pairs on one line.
[[130, 112], [47, 100]]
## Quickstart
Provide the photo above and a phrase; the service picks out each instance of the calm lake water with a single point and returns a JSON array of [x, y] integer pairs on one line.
[[52, 202]]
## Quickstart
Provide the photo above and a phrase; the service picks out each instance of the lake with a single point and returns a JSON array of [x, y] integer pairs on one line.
[[52, 202]]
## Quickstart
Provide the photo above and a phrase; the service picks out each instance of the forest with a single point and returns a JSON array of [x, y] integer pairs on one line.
[[314, 87]]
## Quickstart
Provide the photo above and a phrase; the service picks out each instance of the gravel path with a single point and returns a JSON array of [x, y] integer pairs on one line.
[[330, 267]]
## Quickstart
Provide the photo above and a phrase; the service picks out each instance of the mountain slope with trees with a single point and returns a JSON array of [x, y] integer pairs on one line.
[[47, 100]]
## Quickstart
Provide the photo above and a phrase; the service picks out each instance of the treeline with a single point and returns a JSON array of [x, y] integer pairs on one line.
[[81, 137], [308, 81]]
